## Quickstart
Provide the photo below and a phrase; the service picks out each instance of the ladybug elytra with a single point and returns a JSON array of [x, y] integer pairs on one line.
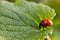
[[45, 23]]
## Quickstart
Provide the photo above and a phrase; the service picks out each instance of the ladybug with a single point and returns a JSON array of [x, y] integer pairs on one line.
[[45, 23]]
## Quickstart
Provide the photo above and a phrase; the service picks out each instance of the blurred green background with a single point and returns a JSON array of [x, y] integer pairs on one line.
[[56, 5]]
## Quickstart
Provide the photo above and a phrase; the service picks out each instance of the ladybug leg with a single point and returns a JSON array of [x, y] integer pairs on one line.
[[44, 28]]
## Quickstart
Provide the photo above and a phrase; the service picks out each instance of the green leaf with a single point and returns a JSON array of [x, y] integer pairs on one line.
[[22, 22]]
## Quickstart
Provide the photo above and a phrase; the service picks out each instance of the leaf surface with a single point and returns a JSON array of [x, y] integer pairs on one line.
[[22, 22]]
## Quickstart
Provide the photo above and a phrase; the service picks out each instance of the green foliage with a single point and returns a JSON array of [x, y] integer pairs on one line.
[[22, 22]]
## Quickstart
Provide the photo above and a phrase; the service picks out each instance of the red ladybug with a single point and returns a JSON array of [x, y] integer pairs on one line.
[[45, 22]]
